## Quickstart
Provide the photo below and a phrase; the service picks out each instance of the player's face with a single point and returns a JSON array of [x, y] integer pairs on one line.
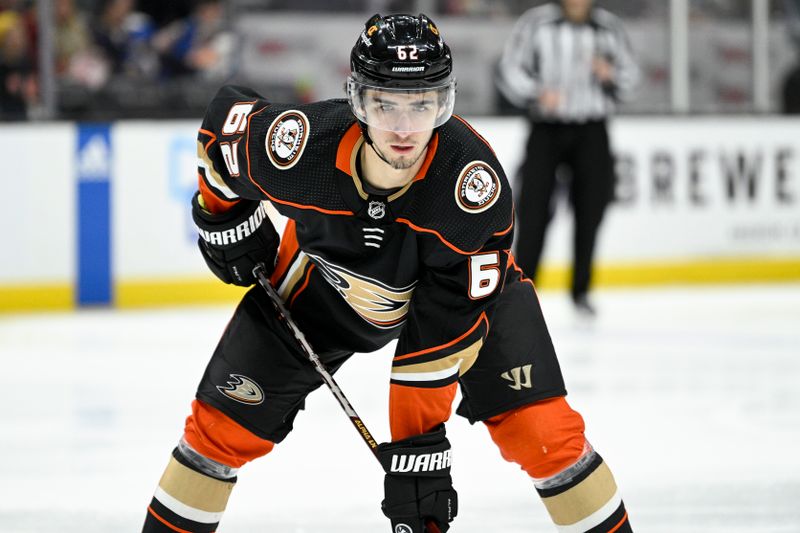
[[402, 112], [576, 10], [400, 125]]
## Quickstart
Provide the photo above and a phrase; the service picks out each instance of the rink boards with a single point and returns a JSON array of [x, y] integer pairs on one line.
[[98, 214]]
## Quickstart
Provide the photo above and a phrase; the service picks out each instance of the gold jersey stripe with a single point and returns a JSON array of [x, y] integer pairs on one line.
[[466, 357], [584, 499], [194, 489]]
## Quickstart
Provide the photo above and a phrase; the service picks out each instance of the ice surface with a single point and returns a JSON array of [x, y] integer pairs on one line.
[[691, 394]]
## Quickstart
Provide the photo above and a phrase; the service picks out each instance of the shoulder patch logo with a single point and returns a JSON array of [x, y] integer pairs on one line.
[[243, 390], [286, 139], [477, 187]]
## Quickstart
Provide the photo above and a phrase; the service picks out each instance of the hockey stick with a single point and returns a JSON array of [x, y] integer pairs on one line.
[[312, 356], [283, 313]]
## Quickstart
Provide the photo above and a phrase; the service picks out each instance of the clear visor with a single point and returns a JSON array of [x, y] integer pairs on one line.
[[401, 110]]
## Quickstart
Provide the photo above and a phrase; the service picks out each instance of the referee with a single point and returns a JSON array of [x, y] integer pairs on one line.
[[568, 63]]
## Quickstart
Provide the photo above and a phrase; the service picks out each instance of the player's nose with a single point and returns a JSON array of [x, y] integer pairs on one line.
[[403, 127]]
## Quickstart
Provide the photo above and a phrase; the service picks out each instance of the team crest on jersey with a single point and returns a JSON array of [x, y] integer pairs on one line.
[[379, 304], [376, 210], [243, 390], [286, 139], [477, 188]]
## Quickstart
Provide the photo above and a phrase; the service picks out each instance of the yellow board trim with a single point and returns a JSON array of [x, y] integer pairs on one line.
[[711, 271], [167, 292], [44, 297]]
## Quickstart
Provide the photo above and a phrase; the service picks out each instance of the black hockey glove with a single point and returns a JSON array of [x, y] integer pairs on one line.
[[418, 490], [234, 242]]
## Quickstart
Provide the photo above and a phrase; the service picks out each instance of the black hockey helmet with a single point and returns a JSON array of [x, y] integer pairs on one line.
[[404, 56]]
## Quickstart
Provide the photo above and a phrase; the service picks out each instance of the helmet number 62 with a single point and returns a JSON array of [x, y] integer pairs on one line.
[[407, 52]]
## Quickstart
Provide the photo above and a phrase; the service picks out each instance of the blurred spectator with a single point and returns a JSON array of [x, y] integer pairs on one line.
[[76, 60], [198, 44], [163, 12], [18, 87], [122, 36]]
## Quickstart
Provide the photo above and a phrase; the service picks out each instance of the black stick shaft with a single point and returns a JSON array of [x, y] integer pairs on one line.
[[311, 355]]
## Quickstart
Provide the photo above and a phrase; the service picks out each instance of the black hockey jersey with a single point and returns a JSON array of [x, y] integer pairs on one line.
[[423, 264]]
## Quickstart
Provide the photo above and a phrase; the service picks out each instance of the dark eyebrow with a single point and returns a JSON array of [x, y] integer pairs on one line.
[[379, 100]]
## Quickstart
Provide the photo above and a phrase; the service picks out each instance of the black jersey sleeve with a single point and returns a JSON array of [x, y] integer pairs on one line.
[[251, 148], [221, 148]]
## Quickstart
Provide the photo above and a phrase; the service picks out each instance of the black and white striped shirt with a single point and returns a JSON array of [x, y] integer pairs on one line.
[[545, 51]]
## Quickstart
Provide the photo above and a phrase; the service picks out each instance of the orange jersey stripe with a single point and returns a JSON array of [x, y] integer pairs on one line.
[[620, 523], [467, 124], [304, 285], [163, 521], [413, 410], [439, 235], [481, 318], [513, 264], [212, 137], [348, 143], [432, 146], [345, 149], [212, 202]]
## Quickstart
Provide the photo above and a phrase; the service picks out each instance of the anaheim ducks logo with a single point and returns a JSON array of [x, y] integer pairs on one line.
[[243, 390], [286, 139], [477, 188], [379, 304]]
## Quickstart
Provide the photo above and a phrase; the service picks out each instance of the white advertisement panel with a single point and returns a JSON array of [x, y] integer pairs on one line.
[[688, 188], [38, 212], [155, 175]]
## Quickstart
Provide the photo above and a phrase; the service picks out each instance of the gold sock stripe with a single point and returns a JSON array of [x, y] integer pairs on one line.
[[195, 489], [584, 499]]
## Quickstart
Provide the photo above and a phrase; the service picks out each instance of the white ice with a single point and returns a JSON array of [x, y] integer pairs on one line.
[[691, 394]]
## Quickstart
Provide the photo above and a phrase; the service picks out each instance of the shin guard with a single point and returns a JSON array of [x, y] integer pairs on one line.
[[187, 500], [584, 497], [547, 440]]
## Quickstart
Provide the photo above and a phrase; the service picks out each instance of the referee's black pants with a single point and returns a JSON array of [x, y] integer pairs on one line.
[[585, 149]]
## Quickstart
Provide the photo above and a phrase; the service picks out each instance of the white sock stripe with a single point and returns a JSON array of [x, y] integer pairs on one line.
[[181, 509], [376, 237], [595, 519], [373, 229], [372, 244]]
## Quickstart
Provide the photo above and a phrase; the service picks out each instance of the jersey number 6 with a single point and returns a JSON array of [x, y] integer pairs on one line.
[[484, 274]]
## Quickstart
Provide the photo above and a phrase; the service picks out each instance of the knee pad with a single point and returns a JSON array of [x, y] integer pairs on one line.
[[544, 438], [214, 435]]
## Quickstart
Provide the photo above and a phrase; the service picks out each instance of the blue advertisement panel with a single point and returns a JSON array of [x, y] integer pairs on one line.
[[94, 215]]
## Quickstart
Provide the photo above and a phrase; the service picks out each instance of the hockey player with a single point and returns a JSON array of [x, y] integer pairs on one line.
[[399, 227]]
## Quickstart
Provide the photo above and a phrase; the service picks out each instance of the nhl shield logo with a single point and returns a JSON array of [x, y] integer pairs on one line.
[[376, 210], [402, 528], [286, 139], [477, 188]]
